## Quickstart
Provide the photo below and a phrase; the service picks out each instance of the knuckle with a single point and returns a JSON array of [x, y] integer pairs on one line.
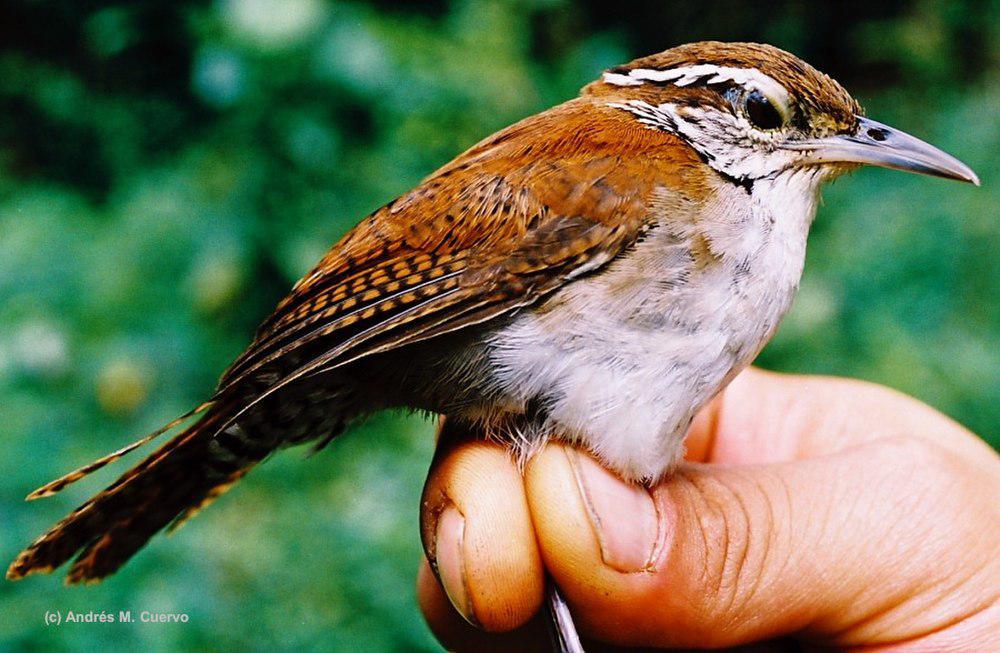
[[922, 478], [919, 459], [734, 517]]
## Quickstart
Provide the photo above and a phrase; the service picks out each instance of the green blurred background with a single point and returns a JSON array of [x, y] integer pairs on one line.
[[168, 169]]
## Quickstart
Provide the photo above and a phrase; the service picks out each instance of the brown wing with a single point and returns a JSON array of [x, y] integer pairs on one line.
[[511, 220]]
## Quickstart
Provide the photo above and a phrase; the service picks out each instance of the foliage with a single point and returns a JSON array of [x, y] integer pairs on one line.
[[167, 170]]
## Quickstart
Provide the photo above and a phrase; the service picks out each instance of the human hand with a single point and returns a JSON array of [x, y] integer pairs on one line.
[[834, 512]]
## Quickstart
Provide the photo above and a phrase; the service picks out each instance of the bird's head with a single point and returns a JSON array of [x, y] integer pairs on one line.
[[753, 111]]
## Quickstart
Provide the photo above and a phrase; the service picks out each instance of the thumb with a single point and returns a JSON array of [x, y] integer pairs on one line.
[[836, 549]]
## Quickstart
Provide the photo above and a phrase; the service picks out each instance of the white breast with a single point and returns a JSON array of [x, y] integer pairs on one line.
[[622, 360]]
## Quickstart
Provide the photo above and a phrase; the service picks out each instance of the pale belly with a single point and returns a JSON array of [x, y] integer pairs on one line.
[[622, 361]]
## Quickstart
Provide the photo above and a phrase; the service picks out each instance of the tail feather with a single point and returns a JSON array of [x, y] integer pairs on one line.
[[59, 484], [211, 496], [129, 533], [167, 487]]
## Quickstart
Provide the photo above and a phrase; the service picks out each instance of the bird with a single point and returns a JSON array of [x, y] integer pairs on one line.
[[592, 274]]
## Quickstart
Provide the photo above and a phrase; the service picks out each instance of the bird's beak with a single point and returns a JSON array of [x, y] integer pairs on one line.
[[876, 144]]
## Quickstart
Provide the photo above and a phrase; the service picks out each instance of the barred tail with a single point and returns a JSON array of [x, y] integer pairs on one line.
[[169, 486]]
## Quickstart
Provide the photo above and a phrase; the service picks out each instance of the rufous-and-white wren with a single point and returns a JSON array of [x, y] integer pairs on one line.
[[594, 273]]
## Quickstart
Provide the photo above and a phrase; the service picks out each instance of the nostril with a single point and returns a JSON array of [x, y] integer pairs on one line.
[[877, 134]]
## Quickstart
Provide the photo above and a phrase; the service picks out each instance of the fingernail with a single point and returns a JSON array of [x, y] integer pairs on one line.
[[450, 558], [623, 515]]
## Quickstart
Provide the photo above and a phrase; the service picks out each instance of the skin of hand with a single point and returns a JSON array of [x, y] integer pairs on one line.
[[817, 511]]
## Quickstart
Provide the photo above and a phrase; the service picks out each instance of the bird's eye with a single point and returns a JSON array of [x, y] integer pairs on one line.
[[762, 112]]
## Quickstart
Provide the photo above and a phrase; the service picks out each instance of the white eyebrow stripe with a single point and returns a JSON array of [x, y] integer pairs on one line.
[[621, 80], [710, 74]]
